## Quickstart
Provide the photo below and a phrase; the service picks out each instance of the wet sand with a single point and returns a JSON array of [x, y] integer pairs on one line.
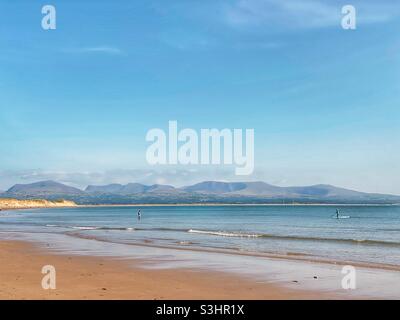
[[80, 277]]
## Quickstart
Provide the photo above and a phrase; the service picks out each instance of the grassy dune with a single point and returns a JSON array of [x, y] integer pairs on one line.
[[39, 203]]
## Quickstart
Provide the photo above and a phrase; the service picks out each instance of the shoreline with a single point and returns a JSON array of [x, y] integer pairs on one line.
[[236, 205], [88, 277], [201, 205], [289, 256]]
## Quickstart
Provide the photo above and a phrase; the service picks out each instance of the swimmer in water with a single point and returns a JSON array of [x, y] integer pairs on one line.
[[139, 215]]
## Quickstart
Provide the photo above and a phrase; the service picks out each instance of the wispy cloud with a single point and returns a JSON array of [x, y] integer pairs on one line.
[[293, 14], [97, 49]]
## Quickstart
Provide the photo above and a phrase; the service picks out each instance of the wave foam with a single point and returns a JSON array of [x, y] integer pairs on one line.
[[225, 234], [86, 228]]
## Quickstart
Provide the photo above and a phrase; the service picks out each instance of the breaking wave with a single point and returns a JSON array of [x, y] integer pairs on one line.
[[225, 234], [239, 234]]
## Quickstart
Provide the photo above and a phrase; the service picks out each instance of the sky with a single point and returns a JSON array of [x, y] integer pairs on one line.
[[76, 102]]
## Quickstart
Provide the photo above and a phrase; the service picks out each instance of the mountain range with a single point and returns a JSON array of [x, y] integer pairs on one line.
[[203, 192]]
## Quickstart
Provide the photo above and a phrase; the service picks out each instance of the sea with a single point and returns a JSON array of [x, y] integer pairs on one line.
[[367, 234]]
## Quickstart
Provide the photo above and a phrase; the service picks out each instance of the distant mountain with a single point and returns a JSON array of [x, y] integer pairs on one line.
[[324, 190], [215, 187], [128, 189], [155, 188], [239, 188], [262, 188], [204, 192], [43, 188], [256, 191]]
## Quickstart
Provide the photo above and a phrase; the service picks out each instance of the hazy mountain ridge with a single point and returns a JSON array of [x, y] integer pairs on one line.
[[203, 192], [43, 187], [128, 189]]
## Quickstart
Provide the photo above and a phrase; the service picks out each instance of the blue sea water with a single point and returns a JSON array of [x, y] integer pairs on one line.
[[368, 234]]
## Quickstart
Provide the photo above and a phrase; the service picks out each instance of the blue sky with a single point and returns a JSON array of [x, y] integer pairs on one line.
[[76, 102]]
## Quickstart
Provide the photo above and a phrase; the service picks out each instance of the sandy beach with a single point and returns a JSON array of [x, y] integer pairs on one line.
[[105, 278], [174, 253]]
